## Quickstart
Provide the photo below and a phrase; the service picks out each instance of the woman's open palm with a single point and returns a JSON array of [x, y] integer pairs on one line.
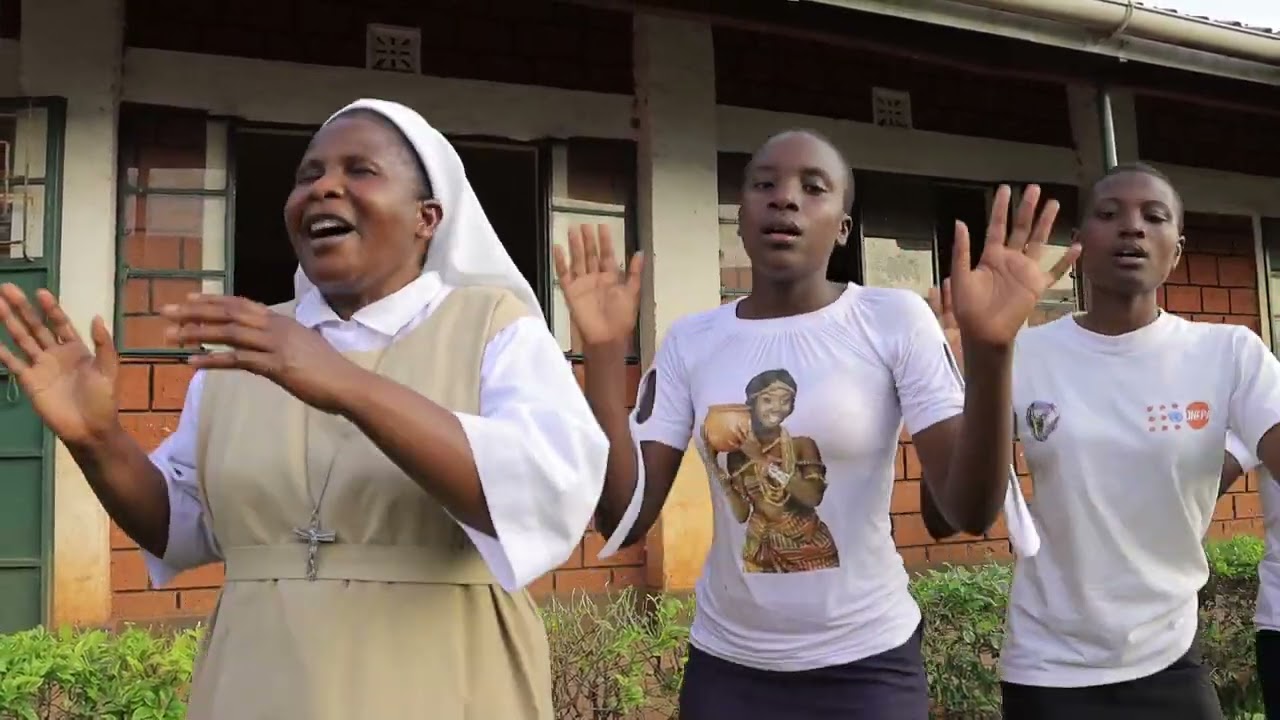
[[993, 300], [72, 389], [603, 300]]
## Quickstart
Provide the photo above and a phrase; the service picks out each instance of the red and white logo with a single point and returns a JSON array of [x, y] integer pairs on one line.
[[1198, 415], [1163, 418]]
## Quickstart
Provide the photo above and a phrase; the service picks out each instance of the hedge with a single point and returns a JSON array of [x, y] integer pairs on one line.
[[623, 658]]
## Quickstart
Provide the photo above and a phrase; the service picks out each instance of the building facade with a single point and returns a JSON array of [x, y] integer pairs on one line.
[[148, 147]]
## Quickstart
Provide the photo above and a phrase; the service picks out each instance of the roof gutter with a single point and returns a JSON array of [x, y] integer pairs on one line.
[[1116, 28]]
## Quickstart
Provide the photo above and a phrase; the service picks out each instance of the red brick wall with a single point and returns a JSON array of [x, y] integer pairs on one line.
[[831, 81], [156, 146], [536, 43], [1217, 281], [1184, 133]]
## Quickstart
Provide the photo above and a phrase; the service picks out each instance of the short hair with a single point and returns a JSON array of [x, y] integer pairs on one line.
[[1140, 168]]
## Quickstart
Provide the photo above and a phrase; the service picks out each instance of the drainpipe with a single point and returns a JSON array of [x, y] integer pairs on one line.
[[1108, 122]]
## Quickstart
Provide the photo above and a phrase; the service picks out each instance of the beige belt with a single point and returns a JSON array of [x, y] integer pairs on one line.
[[368, 563]]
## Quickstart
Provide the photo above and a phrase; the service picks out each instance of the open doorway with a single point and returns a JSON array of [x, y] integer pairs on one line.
[[507, 177], [266, 162]]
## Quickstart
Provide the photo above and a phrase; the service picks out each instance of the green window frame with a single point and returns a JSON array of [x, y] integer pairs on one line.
[[133, 186]]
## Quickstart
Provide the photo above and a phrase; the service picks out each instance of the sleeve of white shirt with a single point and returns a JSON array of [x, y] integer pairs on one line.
[[191, 542], [930, 386], [539, 451], [671, 420], [1255, 396], [1247, 459], [663, 414]]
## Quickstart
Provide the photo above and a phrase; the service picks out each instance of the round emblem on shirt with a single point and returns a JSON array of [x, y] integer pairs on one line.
[[1042, 419], [1197, 415]]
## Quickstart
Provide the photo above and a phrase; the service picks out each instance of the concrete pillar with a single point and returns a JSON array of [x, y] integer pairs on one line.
[[74, 49], [679, 234], [1086, 128]]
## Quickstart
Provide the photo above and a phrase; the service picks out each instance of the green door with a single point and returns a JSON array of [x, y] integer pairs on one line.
[[30, 164]]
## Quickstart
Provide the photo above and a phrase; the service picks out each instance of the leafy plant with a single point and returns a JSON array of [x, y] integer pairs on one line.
[[622, 656], [616, 658], [95, 675]]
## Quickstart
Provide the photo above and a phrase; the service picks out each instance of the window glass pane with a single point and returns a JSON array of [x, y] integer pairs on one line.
[[170, 229], [1271, 247], [30, 139], [173, 150], [24, 224], [23, 144], [897, 228], [735, 266], [1063, 297], [572, 213]]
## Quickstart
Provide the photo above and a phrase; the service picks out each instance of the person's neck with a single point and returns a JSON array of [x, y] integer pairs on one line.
[[773, 299], [346, 303], [1116, 314]]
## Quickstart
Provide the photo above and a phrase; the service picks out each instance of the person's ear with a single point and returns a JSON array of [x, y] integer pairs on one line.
[[430, 214], [846, 228]]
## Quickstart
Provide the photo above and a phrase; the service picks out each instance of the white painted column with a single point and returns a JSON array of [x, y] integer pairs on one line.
[[1086, 129], [74, 49], [679, 234]]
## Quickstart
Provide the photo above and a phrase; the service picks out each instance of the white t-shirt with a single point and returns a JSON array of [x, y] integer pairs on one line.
[[1266, 616], [803, 572], [1124, 437]]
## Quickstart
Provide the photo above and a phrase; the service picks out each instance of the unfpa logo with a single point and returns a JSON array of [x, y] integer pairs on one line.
[[1163, 418]]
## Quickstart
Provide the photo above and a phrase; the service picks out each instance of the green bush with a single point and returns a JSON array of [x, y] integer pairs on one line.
[[624, 657]]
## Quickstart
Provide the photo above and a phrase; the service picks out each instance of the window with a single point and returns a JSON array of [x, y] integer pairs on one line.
[[23, 158], [201, 203], [898, 228], [593, 182], [174, 237], [1271, 250], [908, 232]]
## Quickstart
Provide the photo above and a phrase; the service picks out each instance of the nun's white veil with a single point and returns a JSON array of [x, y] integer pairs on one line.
[[465, 250]]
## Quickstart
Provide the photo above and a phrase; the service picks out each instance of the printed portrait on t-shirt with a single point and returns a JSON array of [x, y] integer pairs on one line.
[[773, 481]]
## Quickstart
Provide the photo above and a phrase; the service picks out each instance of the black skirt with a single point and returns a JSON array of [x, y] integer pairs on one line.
[[1268, 650], [888, 686], [1182, 691]]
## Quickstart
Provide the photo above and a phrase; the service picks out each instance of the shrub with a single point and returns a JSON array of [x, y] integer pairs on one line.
[[623, 656], [95, 675]]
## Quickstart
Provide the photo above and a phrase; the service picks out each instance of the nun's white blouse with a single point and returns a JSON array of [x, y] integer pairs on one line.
[[540, 453]]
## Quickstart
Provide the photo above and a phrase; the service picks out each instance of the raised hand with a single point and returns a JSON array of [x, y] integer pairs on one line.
[[994, 299], [72, 389], [603, 301], [265, 343]]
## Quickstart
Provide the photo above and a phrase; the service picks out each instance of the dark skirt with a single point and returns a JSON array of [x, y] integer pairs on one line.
[[1268, 650], [888, 686], [1182, 691]]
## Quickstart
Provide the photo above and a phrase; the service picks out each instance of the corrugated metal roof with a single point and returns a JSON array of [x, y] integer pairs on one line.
[[1216, 21]]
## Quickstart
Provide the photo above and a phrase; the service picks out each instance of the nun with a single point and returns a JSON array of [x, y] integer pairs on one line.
[[383, 463]]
